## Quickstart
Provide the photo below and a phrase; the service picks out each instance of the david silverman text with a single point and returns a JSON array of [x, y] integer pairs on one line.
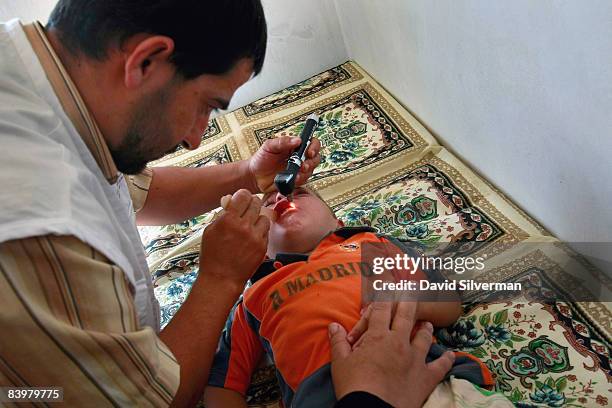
[[465, 284]]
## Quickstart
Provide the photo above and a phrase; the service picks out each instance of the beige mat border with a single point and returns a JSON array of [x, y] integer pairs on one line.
[[225, 131], [356, 76], [208, 149], [431, 156], [248, 145]]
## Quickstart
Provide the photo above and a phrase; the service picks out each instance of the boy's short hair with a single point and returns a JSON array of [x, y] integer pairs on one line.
[[316, 194]]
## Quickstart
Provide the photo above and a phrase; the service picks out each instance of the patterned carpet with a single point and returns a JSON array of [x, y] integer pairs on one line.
[[381, 167]]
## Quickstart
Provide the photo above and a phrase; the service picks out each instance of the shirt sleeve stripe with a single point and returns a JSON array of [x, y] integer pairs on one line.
[[110, 360], [61, 285], [117, 297], [59, 345], [65, 280], [145, 369]]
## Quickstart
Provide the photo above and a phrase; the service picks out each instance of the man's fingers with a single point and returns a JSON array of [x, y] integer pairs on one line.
[[225, 201], [313, 149], [440, 367], [404, 318], [254, 209], [360, 328], [423, 338], [262, 226], [380, 315], [240, 202], [284, 144], [340, 348]]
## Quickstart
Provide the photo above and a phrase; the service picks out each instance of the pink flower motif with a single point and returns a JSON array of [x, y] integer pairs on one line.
[[517, 314], [571, 377], [531, 334], [538, 326], [520, 331], [601, 400]]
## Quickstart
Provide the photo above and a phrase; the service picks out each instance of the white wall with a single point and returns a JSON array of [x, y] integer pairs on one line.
[[522, 90], [26, 10], [304, 38]]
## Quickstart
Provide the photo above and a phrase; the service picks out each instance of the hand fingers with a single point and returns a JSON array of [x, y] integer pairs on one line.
[[313, 149], [252, 212], [423, 338], [360, 327], [225, 200], [240, 202], [337, 339], [268, 213], [438, 368], [380, 316], [262, 226], [404, 318], [284, 144]]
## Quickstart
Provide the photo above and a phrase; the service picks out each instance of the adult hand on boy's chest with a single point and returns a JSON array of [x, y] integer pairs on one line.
[[386, 362]]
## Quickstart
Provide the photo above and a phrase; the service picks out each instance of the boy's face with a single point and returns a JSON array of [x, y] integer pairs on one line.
[[299, 225]]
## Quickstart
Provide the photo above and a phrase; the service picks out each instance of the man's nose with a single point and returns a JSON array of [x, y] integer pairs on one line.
[[192, 141]]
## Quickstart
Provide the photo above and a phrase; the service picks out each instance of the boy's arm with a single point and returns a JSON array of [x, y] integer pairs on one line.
[[215, 397], [440, 313], [237, 356]]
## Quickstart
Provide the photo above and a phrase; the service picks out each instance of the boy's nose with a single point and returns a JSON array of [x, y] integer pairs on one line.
[[279, 197]]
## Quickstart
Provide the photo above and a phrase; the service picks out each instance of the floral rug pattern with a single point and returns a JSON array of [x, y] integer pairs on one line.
[[381, 167]]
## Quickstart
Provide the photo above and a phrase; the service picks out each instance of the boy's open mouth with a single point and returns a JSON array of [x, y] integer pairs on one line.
[[281, 207]]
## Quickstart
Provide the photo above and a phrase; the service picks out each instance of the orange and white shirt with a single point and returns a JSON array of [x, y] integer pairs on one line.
[[286, 312]]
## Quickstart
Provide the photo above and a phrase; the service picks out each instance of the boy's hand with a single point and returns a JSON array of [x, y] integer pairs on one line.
[[271, 158], [235, 244], [386, 363]]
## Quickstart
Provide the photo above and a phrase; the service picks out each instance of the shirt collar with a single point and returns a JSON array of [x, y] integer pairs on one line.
[[283, 259], [71, 100]]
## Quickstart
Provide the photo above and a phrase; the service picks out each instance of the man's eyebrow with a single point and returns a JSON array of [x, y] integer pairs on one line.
[[223, 104]]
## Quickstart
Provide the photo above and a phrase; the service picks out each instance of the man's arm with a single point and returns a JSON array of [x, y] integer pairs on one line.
[[193, 344], [179, 193], [69, 320], [193, 333], [176, 193]]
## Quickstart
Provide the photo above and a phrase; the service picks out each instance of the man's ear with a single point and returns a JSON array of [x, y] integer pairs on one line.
[[146, 59]]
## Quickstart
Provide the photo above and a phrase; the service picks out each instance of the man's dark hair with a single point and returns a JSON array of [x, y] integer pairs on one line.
[[210, 36]]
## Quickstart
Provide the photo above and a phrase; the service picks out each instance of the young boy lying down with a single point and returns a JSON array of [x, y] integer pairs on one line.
[[312, 278]]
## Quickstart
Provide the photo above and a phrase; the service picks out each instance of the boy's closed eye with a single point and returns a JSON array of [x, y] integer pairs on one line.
[[270, 198]]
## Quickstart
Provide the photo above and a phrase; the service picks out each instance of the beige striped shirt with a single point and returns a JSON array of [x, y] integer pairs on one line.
[[67, 315]]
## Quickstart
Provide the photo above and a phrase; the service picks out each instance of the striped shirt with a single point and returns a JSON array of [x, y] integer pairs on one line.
[[68, 317]]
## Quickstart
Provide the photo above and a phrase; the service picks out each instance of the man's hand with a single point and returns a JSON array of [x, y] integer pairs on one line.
[[235, 244], [386, 362], [272, 156]]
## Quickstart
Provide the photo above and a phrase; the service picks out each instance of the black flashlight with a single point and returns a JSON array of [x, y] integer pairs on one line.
[[285, 180]]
